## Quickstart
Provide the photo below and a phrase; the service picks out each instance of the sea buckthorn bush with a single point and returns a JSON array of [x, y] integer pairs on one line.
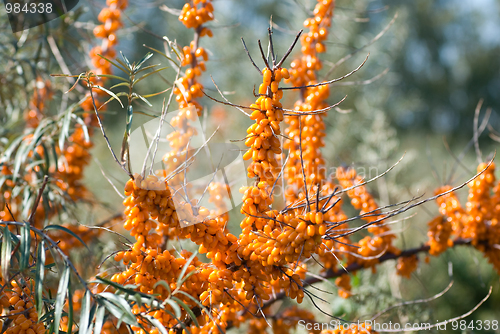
[[175, 265]]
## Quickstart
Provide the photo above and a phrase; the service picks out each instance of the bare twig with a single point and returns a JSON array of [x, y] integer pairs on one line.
[[476, 136], [330, 81], [105, 136], [31, 218], [249, 56], [379, 35], [418, 301], [263, 55], [287, 53]]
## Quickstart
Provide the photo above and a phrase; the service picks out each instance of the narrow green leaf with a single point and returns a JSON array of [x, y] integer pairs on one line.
[[128, 289], [121, 67], [91, 329], [2, 181], [20, 157], [155, 322], [111, 76], [112, 98], [185, 267], [187, 309], [147, 68], [64, 229], [146, 114], [163, 54], [143, 99], [6, 252], [125, 84], [130, 115], [129, 71], [128, 128], [110, 93], [143, 60], [70, 307], [191, 273], [91, 319], [138, 299], [12, 147], [46, 157], [175, 307], [65, 128], [85, 313], [163, 284], [28, 199], [196, 301], [178, 320], [26, 147], [99, 319], [24, 247], [54, 154], [37, 162], [48, 317], [116, 299], [148, 74], [120, 313], [126, 60], [84, 127], [39, 276], [62, 290], [154, 94]]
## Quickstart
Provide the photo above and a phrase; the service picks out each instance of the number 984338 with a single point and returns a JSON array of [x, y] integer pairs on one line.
[[27, 6]]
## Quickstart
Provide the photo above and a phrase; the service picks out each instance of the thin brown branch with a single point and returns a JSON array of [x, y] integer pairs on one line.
[[31, 218], [330, 81]]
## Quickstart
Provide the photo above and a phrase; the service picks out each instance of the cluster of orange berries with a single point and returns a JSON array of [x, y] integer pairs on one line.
[[281, 323], [479, 221], [70, 170], [179, 140], [218, 192], [187, 88], [344, 284], [148, 198], [362, 200], [18, 306], [262, 135], [6, 200], [307, 138], [76, 154], [406, 265], [41, 94], [309, 130], [258, 242], [289, 319], [479, 207], [151, 211], [152, 266], [66, 242], [439, 233], [110, 19], [303, 70], [196, 14], [449, 207]]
